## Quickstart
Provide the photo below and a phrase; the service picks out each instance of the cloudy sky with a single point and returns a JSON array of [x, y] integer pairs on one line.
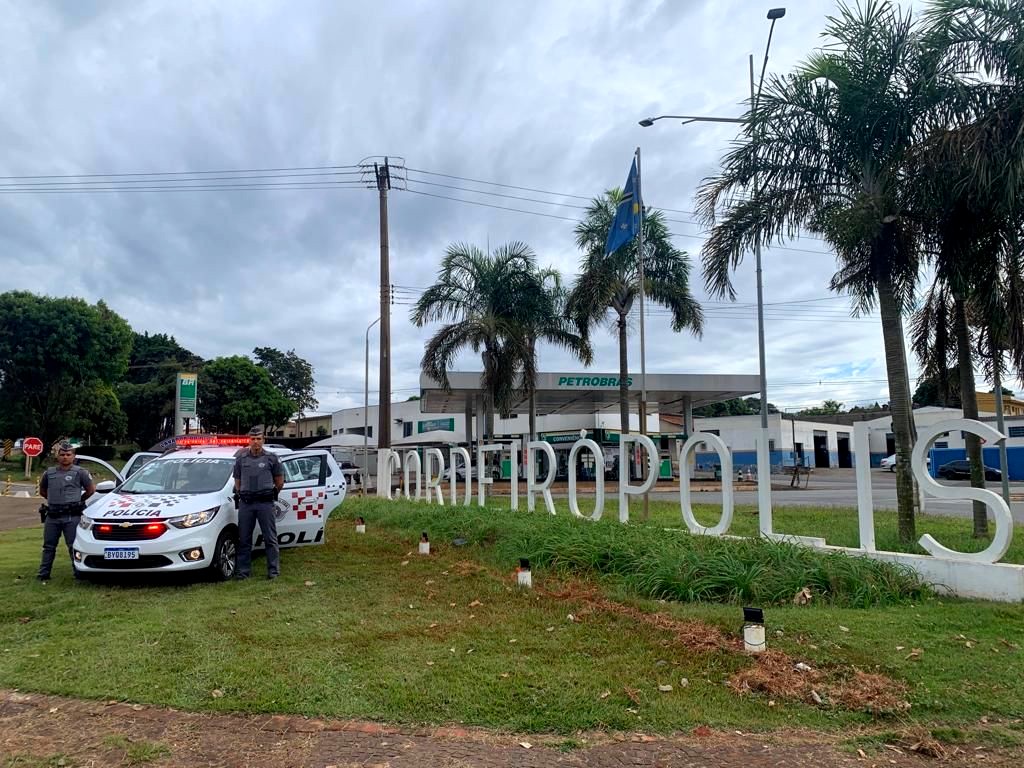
[[544, 96]]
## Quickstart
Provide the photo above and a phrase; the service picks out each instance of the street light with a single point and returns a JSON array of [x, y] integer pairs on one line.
[[773, 15], [647, 122], [366, 408]]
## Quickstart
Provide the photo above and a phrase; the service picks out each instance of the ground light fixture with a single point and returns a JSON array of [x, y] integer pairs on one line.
[[360, 525], [424, 544], [524, 576], [753, 630]]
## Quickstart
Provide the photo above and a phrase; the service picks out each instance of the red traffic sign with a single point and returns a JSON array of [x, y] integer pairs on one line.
[[32, 446]]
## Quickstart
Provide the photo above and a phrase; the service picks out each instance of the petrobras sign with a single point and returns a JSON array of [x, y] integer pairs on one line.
[[591, 382], [967, 574]]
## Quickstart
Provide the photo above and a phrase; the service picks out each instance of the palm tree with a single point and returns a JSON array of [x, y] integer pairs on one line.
[[499, 305], [609, 284], [548, 320], [970, 184], [827, 151]]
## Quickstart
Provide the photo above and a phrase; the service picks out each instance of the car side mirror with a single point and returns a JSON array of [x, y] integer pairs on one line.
[[106, 486]]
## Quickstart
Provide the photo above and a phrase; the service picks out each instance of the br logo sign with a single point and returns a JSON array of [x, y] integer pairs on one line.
[[32, 446]]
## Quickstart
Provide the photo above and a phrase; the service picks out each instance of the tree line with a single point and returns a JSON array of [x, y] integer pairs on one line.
[[70, 368]]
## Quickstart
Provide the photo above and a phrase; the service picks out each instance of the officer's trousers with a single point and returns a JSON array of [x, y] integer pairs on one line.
[[249, 513], [53, 528]]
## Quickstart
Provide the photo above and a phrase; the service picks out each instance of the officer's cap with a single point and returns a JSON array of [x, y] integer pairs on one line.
[[66, 446], [256, 432]]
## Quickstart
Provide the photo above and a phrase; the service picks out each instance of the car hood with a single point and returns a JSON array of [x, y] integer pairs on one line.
[[120, 506]]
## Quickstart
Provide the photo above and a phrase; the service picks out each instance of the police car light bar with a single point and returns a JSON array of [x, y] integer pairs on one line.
[[193, 441]]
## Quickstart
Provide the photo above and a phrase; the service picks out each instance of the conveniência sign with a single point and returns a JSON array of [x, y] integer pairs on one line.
[[968, 574]]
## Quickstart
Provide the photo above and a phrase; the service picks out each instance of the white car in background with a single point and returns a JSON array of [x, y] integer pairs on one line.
[[889, 462], [176, 512]]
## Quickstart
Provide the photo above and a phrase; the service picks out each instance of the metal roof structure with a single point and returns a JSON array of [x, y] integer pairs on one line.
[[588, 392]]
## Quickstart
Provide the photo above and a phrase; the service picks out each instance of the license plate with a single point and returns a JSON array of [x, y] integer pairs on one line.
[[121, 553]]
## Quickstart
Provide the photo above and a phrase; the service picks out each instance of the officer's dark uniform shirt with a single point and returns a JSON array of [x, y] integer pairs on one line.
[[257, 473], [64, 486]]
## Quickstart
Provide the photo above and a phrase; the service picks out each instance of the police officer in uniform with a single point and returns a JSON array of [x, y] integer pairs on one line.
[[65, 488], [259, 478]]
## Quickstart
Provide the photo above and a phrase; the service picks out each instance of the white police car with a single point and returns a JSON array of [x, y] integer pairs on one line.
[[175, 511]]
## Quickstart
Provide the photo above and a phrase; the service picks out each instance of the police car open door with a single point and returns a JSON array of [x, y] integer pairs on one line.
[[302, 507]]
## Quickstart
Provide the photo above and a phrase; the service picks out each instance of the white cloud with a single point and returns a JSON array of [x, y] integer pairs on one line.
[[539, 95]]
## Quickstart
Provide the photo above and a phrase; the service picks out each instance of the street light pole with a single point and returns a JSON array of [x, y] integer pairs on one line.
[[763, 457], [366, 408]]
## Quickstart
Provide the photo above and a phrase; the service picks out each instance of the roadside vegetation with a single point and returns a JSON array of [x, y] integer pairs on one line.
[[365, 627]]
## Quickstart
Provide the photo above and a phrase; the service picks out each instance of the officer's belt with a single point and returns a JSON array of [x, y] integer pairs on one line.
[[251, 496], [75, 508]]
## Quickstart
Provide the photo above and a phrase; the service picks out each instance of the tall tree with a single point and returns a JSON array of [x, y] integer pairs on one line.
[[291, 374], [827, 149], [485, 300], [970, 188], [236, 394], [609, 284], [147, 391], [58, 361]]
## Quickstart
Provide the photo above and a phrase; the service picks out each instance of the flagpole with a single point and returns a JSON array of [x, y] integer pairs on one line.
[[643, 350]]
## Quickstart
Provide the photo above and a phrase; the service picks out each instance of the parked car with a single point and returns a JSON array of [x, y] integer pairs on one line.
[[889, 462], [176, 512], [961, 470]]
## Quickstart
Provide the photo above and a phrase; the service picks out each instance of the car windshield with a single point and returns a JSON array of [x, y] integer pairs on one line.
[[186, 474]]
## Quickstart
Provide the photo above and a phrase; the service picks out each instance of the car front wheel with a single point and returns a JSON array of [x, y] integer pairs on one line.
[[223, 566]]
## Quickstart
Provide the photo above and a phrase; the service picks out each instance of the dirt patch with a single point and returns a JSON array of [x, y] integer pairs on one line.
[[776, 674], [19, 513], [773, 673], [695, 635], [39, 730]]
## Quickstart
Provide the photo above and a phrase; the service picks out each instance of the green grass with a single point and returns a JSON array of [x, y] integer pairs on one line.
[[137, 752], [386, 634], [655, 563]]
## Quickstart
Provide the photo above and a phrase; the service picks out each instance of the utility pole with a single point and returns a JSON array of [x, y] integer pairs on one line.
[[383, 175]]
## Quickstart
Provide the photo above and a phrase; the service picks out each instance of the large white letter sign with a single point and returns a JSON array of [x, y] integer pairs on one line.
[[452, 453], [625, 489], [387, 463], [865, 511], [593, 447], [412, 462], [1000, 511], [435, 458], [532, 487], [483, 478], [513, 455], [684, 484]]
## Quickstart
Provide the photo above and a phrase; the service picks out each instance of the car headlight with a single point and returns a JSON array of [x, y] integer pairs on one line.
[[85, 523], [194, 519]]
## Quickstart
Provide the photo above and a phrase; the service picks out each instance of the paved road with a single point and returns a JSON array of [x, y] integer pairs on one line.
[[838, 488]]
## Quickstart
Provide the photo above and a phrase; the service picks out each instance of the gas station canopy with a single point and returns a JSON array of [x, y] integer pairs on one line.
[[588, 392]]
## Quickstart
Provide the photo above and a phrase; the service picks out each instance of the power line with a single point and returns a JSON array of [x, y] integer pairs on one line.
[[176, 180], [183, 173], [499, 194], [490, 205], [498, 184], [193, 188]]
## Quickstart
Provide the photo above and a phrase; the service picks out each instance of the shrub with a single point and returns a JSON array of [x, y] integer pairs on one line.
[[655, 563]]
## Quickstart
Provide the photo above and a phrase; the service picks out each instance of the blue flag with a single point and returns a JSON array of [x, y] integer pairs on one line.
[[627, 216]]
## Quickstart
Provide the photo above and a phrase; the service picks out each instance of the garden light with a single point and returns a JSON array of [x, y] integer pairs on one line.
[[753, 630], [424, 544], [524, 577]]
